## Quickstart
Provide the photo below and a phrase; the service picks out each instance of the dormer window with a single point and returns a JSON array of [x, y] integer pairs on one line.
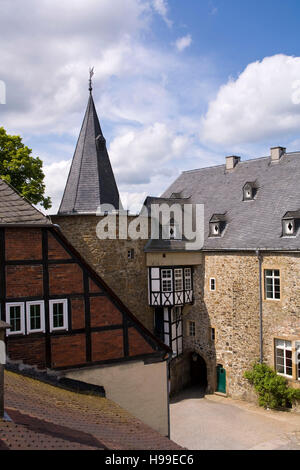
[[217, 225], [290, 223], [249, 191]]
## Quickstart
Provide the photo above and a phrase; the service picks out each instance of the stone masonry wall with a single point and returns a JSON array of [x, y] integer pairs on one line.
[[233, 311]]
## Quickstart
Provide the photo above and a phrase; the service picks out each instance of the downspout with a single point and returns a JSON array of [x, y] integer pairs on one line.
[[169, 359], [260, 259]]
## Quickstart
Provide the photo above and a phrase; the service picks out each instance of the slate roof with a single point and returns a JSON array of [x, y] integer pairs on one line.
[[14, 209], [45, 417], [91, 181], [250, 225]]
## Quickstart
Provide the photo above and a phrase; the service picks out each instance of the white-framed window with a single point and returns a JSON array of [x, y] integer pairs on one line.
[[15, 317], [283, 357], [130, 253], [188, 278], [58, 314], [166, 280], [192, 328], [272, 284], [178, 278], [35, 316], [212, 284], [298, 359]]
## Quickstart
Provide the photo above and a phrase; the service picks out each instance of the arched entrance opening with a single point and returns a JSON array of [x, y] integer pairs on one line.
[[198, 370]]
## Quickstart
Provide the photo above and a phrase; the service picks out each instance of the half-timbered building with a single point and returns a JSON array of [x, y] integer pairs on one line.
[[64, 317]]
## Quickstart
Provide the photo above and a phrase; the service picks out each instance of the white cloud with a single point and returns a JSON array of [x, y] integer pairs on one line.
[[262, 103], [161, 7], [183, 43], [55, 179]]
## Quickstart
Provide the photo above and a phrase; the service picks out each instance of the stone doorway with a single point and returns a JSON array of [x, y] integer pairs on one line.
[[198, 370]]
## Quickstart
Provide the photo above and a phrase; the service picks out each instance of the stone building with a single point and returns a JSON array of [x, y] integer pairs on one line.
[[222, 307]]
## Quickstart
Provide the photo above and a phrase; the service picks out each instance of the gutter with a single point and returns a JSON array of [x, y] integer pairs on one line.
[[260, 259]]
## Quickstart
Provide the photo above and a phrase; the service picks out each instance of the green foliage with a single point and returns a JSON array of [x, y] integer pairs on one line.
[[20, 169], [272, 389]]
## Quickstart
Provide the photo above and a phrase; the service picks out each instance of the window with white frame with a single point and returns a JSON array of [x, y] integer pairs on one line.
[[178, 278], [15, 317], [283, 357], [35, 316], [212, 284], [58, 315], [166, 280], [298, 359], [188, 278], [272, 284], [192, 328]]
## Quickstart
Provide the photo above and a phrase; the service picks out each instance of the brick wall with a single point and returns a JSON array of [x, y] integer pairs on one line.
[[87, 301]]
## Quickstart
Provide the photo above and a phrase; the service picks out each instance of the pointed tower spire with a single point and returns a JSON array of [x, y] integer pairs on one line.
[[91, 181]]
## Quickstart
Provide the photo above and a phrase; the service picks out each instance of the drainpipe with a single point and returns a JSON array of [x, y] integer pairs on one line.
[[260, 259], [3, 327], [169, 359]]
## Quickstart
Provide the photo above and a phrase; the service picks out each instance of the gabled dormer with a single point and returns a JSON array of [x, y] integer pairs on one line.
[[290, 223], [249, 191], [217, 225]]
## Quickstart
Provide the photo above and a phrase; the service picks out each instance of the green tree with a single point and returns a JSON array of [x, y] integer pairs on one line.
[[20, 169]]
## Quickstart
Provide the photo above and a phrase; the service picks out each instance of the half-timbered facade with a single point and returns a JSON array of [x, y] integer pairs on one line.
[[62, 315]]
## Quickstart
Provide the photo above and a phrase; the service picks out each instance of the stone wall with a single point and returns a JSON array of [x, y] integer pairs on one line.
[[128, 278], [233, 311]]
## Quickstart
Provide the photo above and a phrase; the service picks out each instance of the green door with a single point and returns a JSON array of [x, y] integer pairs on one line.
[[221, 378]]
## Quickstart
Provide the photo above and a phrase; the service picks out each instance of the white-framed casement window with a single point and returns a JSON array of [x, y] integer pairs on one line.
[[166, 280], [188, 278], [192, 328], [212, 284], [298, 359], [35, 316], [283, 357], [15, 317], [58, 312], [178, 279], [272, 284]]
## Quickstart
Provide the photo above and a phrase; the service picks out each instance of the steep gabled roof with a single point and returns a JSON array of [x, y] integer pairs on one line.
[[15, 209], [254, 224], [91, 181]]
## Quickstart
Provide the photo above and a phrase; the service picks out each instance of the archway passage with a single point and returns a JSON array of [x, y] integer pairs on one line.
[[198, 370]]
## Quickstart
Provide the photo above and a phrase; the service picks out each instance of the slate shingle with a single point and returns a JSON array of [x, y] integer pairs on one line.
[[254, 224]]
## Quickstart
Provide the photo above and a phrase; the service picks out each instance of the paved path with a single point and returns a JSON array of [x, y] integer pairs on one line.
[[218, 423]]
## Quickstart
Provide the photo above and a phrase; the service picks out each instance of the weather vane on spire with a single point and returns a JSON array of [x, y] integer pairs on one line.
[[91, 76]]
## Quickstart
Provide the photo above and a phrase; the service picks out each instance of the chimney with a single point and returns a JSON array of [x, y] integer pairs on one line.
[[231, 162], [276, 153], [3, 327]]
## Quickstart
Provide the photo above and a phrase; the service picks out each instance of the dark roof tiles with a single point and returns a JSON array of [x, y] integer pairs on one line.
[[254, 224], [14, 209]]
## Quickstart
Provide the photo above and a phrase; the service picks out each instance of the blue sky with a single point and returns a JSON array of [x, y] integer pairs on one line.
[[179, 84]]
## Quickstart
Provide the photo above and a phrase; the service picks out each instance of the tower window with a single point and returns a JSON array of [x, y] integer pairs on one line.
[[130, 254], [212, 284]]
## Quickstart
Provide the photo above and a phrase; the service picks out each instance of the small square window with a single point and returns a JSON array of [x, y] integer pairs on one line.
[[58, 315]]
